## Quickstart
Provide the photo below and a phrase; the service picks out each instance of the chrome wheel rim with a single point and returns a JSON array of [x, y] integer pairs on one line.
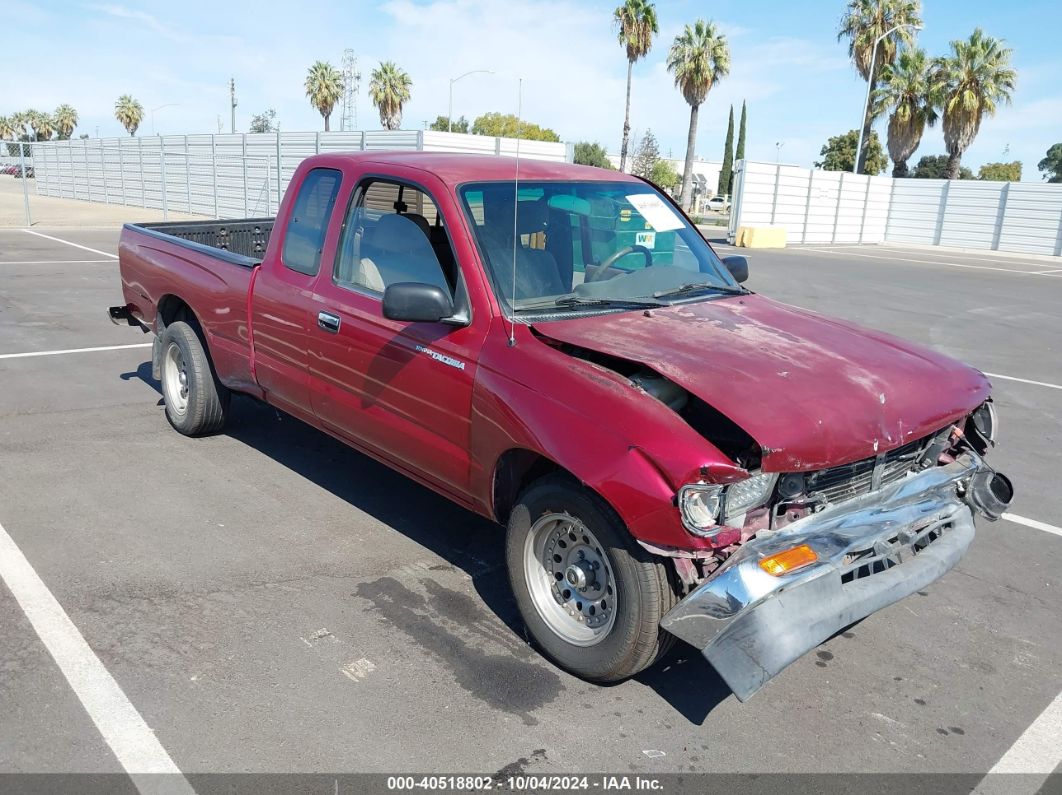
[[175, 379], [570, 579]]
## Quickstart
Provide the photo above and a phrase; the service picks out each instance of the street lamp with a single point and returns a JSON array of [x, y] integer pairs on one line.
[[870, 82], [778, 151], [160, 107], [450, 112]]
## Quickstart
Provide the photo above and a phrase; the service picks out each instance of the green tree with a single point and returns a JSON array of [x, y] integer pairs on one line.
[[636, 24], [905, 88], [699, 58], [507, 125], [863, 23], [442, 124], [129, 112], [838, 154], [971, 82], [264, 122], [592, 154], [727, 170], [646, 155], [65, 121], [936, 167], [664, 175], [7, 128], [324, 87], [390, 87], [1000, 172], [1051, 165], [739, 153]]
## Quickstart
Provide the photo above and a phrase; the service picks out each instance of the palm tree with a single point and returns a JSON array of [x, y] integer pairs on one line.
[[19, 121], [904, 87], [636, 22], [324, 87], [41, 123], [971, 82], [65, 121], [129, 112], [864, 22], [389, 88], [699, 58], [7, 128]]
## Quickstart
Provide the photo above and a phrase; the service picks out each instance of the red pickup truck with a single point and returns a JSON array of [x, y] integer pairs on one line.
[[556, 347]]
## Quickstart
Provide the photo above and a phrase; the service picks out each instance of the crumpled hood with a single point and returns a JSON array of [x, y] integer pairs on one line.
[[812, 391]]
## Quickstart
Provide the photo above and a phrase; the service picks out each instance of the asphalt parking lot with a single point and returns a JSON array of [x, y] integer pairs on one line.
[[269, 600]]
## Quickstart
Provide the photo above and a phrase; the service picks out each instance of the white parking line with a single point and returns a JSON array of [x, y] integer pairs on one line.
[[73, 350], [54, 261], [925, 261], [124, 730], [1046, 262], [1037, 752], [75, 245], [1024, 380], [1036, 524]]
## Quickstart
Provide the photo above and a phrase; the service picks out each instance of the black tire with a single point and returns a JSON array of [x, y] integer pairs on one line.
[[206, 400], [643, 589]]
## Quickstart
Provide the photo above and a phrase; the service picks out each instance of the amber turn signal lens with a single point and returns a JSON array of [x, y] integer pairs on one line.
[[790, 560]]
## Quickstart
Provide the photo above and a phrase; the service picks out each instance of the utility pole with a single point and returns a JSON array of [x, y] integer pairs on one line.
[[221, 124], [232, 99]]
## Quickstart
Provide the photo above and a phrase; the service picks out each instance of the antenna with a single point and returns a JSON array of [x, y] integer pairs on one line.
[[516, 201], [348, 119]]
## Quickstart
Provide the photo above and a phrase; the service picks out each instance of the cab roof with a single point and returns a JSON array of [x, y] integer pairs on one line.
[[457, 167]]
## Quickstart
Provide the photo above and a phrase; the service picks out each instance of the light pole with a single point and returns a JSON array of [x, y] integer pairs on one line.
[[160, 107], [778, 151], [870, 82], [450, 111]]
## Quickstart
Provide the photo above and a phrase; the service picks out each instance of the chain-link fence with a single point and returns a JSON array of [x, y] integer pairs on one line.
[[16, 162]]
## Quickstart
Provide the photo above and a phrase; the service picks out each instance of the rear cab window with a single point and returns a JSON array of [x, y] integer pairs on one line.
[[305, 234]]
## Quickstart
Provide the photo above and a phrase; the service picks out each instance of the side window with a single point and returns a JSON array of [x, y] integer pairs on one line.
[[394, 233], [305, 235]]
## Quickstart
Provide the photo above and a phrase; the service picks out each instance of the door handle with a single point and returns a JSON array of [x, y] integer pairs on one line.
[[328, 322]]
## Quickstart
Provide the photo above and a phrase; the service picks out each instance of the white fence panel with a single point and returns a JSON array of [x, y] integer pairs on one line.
[[1032, 219], [228, 176]]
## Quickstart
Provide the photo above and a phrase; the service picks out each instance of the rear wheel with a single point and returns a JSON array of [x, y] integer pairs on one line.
[[196, 402], [590, 597]]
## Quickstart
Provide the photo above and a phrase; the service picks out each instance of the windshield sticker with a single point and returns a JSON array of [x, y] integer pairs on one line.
[[647, 239], [653, 210]]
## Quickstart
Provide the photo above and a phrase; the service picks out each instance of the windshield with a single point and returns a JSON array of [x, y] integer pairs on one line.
[[600, 244]]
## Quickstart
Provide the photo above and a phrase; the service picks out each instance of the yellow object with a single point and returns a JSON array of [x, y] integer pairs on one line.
[[790, 560], [760, 237]]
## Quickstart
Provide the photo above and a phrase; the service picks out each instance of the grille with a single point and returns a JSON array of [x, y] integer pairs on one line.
[[889, 552], [852, 480]]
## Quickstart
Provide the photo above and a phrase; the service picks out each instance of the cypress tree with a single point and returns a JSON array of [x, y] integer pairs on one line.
[[726, 172], [739, 153]]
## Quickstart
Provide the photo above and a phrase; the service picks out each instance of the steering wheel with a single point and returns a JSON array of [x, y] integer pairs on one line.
[[617, 256]]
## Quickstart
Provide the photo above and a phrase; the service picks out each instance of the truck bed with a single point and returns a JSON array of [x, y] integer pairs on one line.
[[207, 265], [245, 237]]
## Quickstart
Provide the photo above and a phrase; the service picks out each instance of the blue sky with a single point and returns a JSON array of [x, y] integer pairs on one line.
[[787, 64]]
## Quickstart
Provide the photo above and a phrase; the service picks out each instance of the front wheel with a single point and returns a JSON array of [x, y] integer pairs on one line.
[[196, 402], [590, 597]]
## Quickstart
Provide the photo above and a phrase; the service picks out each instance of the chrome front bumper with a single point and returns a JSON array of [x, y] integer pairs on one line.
[[872, 551]]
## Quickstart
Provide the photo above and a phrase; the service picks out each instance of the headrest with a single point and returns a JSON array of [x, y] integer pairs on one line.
[[531, 217], [420, 221], [398, 234]]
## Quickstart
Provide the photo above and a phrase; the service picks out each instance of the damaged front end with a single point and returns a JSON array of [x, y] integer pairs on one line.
[[784, 592]]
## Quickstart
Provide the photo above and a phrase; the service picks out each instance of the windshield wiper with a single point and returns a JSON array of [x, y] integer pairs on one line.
[[696, 287], [580, 300]]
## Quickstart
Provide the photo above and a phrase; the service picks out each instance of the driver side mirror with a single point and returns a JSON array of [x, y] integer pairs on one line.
[[738, 267], [416, 302]]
